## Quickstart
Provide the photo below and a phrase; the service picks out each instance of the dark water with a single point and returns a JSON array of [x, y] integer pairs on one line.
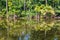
[[51, 35], [29, 34]]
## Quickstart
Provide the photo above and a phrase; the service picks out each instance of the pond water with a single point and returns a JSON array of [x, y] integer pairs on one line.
[[31, 34], [41, 36]]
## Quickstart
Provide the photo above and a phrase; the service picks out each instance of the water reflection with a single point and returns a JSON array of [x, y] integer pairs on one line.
[[24, 37], [55, 38], [39, 35], [28, 33]]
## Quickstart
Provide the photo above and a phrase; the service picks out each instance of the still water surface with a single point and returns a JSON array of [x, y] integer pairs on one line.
[[53, 34]]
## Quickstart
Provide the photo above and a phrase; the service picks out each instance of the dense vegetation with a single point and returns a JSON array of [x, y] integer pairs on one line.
[[17, 16]]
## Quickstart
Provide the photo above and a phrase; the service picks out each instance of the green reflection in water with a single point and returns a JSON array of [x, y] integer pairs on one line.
[[52, 28], [53, 34]]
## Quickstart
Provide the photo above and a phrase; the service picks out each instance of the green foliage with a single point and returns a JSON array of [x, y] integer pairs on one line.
[[43, 9], [25, 10]]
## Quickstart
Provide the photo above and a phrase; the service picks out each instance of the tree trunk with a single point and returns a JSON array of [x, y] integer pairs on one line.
[[46, 2]]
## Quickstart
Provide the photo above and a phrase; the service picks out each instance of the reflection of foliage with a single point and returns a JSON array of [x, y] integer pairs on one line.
[[43, 25], [40, 35], [2, 33]]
